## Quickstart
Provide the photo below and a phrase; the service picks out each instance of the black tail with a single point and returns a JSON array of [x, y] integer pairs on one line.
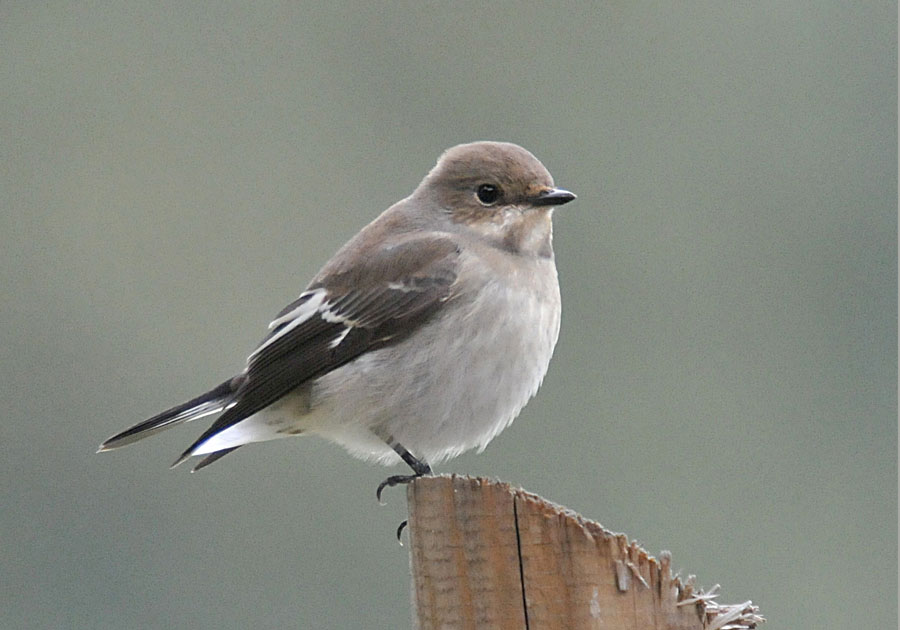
[[206, 404]]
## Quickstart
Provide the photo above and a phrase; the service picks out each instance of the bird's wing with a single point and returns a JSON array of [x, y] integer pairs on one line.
[[366, 303]]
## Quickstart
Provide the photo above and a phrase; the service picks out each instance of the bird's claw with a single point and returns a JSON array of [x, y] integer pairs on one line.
[[394, 480], [400, 529]]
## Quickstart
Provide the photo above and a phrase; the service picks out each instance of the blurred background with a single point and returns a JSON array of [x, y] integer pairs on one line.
[[725, 384]]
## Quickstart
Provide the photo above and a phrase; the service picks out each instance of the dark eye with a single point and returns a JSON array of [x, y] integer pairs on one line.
[[487, 194]]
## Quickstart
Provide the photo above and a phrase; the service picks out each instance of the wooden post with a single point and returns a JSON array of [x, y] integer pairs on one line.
[[485, 555]]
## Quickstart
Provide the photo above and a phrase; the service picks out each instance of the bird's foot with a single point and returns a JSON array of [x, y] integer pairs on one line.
[[419, 468], [397, 480]]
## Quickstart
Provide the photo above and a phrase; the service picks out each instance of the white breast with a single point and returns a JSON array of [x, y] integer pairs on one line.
[[454, 384]]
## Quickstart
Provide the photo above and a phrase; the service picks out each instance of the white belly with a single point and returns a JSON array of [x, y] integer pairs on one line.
[[460, 396]]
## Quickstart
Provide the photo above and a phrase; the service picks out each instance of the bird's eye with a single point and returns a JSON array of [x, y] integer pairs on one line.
[[487, 194]]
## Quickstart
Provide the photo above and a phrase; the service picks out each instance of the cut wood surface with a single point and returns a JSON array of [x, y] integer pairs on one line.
[[486, 555]]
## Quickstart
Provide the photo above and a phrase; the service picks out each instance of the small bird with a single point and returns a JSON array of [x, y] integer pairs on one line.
[[422, 338]]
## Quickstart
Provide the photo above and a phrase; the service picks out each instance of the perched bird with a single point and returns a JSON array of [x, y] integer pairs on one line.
[[423, 337]]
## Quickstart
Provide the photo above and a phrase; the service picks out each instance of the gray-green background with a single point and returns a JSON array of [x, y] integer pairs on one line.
[[725, 381]]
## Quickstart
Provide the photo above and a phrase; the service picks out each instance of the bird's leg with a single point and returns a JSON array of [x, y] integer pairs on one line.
[[418, 466]]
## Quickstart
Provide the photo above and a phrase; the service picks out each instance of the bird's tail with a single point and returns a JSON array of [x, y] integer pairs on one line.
[[211, 402]]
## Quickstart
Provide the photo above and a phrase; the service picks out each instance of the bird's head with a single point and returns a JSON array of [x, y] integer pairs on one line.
[[498, 189]]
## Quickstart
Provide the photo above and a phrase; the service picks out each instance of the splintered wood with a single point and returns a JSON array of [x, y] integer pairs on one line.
[[485, 555]]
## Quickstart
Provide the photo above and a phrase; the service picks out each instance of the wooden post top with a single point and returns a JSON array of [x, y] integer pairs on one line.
[[486, 555]]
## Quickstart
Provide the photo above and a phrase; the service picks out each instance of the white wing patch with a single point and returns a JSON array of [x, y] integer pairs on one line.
[[315, 305], [333, 318], [400, 286], [340, 338], [301, 310], [291, 320]]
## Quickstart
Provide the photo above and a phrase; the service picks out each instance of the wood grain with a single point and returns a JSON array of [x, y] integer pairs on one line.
[[485, 555]]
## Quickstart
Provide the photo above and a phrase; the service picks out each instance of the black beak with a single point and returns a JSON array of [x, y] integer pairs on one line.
[[552, 197]]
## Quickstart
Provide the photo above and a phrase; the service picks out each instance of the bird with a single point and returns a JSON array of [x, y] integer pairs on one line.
[[423, 337]]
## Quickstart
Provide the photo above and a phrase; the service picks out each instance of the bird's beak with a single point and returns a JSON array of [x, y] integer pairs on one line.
[[552, 197]]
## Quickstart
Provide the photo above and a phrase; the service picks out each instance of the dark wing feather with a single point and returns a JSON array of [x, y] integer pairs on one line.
[[377, 301], [213, 457], [206, 404]]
